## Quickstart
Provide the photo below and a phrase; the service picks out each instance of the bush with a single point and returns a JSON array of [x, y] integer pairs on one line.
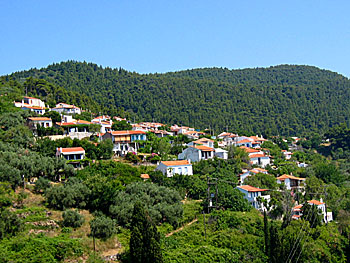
[[41, 185], [72, 218], [163, 204], [102, 227]]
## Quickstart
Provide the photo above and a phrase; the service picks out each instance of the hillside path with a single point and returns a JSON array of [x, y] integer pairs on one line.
[[179, 229]]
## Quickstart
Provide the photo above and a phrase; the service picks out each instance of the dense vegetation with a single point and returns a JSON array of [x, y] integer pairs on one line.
[[285, 99]]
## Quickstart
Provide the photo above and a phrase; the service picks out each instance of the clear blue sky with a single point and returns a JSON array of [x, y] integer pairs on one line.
[[159, 36]]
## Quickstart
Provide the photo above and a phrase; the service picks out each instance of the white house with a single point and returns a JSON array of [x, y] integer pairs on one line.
[[170, 168], [203, 141], [125, 141], [72, 153], [64, 108], [259, 159], [42, 121], [105, 122], [252, 194], [291, 182], [221, 153], [33, 104], [197, 153], [327, 216], [287, 155]]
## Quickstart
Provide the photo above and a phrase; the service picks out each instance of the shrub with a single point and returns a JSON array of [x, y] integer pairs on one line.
[[102, 227], [72, 218]]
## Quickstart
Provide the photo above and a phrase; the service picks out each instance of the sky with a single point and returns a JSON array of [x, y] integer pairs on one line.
[[149, 36]]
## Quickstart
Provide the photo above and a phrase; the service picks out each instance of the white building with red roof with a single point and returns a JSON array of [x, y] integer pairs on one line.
[[45, 122], [253, 194], [327, 216], [291, 182], [256, 156], [125, 141], [64, 108], [197, 153], [170, 168], [72, 153], [33, 104]]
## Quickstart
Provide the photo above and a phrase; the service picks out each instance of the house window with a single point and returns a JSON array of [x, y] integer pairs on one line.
[[186, 170], [180, 170]]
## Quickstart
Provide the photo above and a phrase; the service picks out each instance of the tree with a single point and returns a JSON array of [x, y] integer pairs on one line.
[[145, 239], [121, 126], [10, 223], [72, 218], [266, 235], [41, 185], [312, 214], [102, 227]]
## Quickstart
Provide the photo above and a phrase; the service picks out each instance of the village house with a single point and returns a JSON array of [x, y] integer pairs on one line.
[[287, 155], [33, 104], [257, 157], [71, 154], [326, 216], [170, 168], [203, 141], [64, 108], [74, 128], [227, 139], [33, 122], [125, 141], [197, 153], [252, 194], [291, 182], [105, 122]]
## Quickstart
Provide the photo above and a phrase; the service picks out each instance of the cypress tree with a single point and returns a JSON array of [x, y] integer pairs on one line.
[[267, 235], [145, 239]]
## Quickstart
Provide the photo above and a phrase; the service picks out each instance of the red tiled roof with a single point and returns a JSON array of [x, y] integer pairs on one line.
[[144, 176], [257, 155], [127, 132], [173, 163], [204, 148], [251, 188], [33, 107], [204, 140], [39, 119], [249, 150], [244, 141], [315, 202], [71, 149], [297, 208], [287, 176]]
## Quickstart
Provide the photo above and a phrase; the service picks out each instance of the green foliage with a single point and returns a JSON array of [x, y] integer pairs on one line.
[[73, 194], [6, 194], [260, 180], [72, 218], [145, 239], [40, 248], [292, 99], [41, 185], [54, 115], [121, 126], [163, 204], [312, 214], [102, 227], [10, 224]]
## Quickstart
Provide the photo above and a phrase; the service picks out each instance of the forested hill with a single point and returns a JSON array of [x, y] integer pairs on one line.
[[286, 99], [276, 75]]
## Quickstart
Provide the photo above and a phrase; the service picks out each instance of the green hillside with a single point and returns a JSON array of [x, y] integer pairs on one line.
[[286, 99]]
